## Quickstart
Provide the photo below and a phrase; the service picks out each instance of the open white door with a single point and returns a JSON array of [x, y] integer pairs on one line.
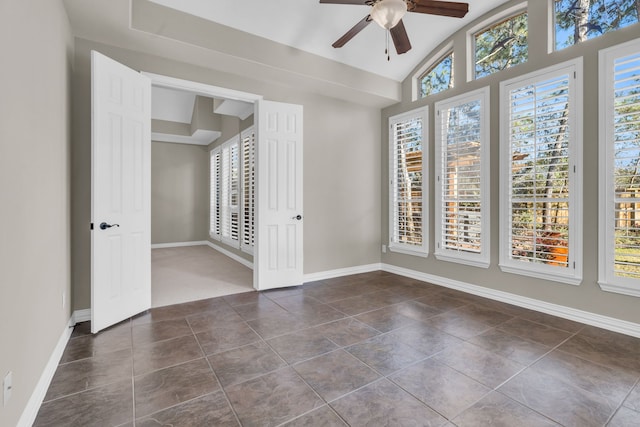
[[120, 192], [278, 259]]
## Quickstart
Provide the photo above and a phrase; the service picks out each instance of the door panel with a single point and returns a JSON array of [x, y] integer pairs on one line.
[[120, 192], [279, 259]]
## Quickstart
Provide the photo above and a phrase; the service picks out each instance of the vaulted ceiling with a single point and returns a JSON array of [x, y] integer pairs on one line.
[[279, 41]]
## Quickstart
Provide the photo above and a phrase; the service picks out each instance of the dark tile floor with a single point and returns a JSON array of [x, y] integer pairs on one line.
[[372, 349]]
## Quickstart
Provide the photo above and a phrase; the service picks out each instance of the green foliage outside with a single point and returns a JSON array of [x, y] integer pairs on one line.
[[502, 46], [437, 78], [580, 20]]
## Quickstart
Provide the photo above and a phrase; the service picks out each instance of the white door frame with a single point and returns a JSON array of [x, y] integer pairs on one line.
[[211, 92]]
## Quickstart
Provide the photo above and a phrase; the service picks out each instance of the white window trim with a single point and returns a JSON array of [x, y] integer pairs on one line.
[[481, 259], [423, 250], [574, 275], [436, 58], [606, 277], [471, 34], [551, 27]]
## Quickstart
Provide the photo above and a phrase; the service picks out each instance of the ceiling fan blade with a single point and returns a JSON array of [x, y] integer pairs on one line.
[[400, 38], [352, 32], [362, 2], [443, 8]]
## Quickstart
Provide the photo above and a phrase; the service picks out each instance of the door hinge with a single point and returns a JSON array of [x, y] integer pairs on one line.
[[574, 265]]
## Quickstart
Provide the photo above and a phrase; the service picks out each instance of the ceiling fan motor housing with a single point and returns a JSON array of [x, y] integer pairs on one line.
[[387, 13]]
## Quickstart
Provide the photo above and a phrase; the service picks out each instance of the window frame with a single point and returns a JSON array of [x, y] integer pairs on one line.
[[483, 258], [552, 30], [607, 280], [484, 25], [416, 81], [422, 250], [223, 194], [248, 247], [573, 275], [433, 65], [215, 171]]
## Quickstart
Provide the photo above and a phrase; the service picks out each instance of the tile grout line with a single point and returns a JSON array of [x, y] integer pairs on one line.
[[621, 404], [224, 392]]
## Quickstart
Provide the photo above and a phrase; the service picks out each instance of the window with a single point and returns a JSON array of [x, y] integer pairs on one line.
[[540, 221], [225, 186], [407, 134], [462, 179], [248, 189], [437, 78], [501, 46], [580, 20], [620, 169], [216, 195]]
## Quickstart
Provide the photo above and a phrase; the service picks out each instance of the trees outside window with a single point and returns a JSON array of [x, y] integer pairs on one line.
[[580, 20], [540, 215], [437, 78], [462, 175], [407, 136], [620, 169], [501, 46]]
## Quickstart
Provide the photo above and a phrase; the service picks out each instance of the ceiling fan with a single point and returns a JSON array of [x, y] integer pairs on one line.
[[388, 14]]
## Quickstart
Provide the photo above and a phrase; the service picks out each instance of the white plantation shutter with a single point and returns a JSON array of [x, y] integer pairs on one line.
[[620, 142], [540, 219], [407, 183], [215, 189], [462, 156], [225, 192], [234, 191], [248, 186]]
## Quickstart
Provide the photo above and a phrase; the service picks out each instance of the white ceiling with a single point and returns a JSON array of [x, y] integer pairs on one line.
[[172, 105], [313, 27]]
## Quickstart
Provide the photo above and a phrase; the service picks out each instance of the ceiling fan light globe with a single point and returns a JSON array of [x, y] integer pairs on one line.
[[387, 13]]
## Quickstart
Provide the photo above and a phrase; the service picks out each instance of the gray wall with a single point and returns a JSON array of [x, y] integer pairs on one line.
[[179, 192], [37, 55], [588, 295], [341, 165]]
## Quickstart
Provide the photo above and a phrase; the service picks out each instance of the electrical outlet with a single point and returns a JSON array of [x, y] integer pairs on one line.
[[384, 249], [7, 387]]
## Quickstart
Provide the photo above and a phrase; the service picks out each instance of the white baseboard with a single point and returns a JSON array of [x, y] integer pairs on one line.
[[37, 397], [330, 274], [81, 316], [593, 319], [177, 244], [230, 254]]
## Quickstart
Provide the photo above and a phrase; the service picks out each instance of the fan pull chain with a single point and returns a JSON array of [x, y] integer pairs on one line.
[[386, 50]]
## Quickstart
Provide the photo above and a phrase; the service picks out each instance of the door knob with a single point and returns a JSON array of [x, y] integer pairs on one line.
[[298, 217], [104, 226]]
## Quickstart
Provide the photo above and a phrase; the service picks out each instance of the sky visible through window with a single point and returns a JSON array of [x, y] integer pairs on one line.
[[501, 46], [580, 20], [438, 78]]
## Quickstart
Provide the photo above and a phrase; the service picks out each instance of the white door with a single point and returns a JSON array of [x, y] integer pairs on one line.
[[120, 192], [279, 216]]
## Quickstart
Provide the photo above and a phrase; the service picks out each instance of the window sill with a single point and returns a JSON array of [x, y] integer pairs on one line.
[[440, 256], [568, 279], [619, 289], [406, 251]]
